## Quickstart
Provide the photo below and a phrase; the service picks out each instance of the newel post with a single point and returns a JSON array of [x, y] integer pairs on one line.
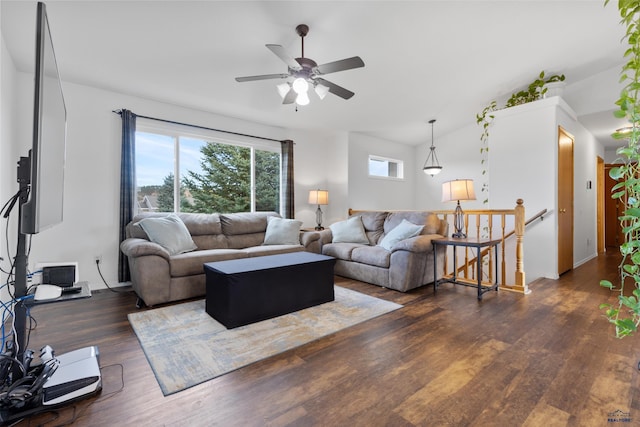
[[519, 229]]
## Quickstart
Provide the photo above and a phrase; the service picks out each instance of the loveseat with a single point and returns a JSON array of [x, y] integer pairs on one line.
[[168, 264], [389, 249]]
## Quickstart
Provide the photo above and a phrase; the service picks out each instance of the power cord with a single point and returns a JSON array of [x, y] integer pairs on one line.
[[105, 282]]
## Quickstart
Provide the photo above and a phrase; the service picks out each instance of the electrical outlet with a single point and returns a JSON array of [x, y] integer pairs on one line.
[[98, 259]]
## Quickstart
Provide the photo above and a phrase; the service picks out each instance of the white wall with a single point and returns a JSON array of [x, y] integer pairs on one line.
[[373, 193], [8, 157], [320, 163]]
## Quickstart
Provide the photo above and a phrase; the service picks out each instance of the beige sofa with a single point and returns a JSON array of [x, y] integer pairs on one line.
[[159, 277], [403, 265]]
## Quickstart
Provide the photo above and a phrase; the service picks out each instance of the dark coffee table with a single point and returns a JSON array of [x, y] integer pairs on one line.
[[249, 290]]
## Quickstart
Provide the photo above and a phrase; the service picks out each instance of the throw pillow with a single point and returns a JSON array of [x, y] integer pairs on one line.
[[169, 232], [349, 231], [281, 231], [404, 230]]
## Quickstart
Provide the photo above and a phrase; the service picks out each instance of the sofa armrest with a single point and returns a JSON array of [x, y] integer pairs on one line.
[[420, 243], [133, 247], [326, 236], [309, 238]]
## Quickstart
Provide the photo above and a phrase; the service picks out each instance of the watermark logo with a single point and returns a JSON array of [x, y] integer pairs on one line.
[[619, 416]]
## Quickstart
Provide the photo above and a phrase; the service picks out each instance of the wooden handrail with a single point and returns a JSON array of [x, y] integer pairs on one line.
[[484, 252], [539, 215]]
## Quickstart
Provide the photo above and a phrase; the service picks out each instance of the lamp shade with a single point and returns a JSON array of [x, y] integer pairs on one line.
[[318, 197], [459, 189]]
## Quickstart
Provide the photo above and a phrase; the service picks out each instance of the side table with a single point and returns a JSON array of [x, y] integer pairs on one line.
[[466, 242]]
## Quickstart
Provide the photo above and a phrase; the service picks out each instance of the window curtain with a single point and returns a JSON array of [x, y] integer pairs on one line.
[[288, 210], [127, 186]]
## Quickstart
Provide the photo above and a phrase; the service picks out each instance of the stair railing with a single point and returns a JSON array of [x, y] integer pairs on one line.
[[482, 224]]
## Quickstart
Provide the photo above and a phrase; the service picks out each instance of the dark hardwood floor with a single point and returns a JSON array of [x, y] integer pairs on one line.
[[545, 359]]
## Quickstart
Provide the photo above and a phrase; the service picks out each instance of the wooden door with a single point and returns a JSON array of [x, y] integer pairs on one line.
[[600, 195], [613, 236], [565, 201]]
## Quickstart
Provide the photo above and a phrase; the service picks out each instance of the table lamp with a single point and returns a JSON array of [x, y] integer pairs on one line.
[[455, 191], [319, 197]]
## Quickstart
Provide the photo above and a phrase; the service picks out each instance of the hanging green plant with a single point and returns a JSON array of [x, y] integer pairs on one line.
[[485, 118], [625, 315]]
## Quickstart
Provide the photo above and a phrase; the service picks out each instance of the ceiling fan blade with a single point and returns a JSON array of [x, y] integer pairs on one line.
[[343, 64], [282, 54], [262, 77], [290, 97], [335, 89]]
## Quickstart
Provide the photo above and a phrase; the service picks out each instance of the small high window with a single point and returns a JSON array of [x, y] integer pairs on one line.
[[383, 167]]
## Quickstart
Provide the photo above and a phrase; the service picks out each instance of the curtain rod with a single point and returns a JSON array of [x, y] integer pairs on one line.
[[119, 112]]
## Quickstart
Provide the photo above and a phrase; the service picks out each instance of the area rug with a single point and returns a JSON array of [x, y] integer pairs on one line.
[[185, 346]]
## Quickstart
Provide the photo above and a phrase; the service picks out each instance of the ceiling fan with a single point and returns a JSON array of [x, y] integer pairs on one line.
[[304, 72]]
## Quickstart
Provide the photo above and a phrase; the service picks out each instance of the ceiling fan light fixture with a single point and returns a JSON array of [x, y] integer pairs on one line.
[[321, 90], [300, 85], [303, 72], [302, 99], [283, 89]]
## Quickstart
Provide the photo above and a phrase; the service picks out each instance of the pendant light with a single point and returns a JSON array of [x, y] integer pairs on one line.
[[431, 165]]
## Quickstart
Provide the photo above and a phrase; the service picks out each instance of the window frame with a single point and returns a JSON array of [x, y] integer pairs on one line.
[[176, 131], [399, 166]]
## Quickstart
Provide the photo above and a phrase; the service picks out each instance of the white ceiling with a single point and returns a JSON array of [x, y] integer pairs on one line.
[[423, 59]]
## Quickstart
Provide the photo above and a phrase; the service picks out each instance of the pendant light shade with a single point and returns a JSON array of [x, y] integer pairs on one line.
[[431, 165]]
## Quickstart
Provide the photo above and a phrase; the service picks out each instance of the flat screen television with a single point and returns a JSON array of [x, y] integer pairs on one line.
[[44, 207]]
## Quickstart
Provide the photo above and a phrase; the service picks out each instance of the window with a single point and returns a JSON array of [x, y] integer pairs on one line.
[[383, 167], [182, 169]]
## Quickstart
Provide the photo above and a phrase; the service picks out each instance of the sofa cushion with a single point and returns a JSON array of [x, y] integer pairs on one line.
[[169, 232], [281, 231], [200, 224], [371, 255], [349, 231], [191, 263], [428, 219], [340, 250], [245, 229], [373, 222], [403, 231], [245, 222]]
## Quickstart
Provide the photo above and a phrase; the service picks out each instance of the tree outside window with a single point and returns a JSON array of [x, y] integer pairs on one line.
[[213, 177]]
